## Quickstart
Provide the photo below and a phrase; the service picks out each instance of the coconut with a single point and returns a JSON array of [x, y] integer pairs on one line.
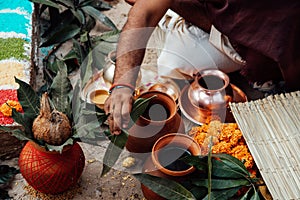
[[53, 127]]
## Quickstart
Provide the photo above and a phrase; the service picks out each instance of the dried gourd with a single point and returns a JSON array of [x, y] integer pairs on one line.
[[53, 127]]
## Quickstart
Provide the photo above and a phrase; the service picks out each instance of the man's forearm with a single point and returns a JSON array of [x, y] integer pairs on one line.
[[142, 19]]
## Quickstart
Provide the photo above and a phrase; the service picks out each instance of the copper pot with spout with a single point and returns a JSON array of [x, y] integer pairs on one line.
[[210, 93]]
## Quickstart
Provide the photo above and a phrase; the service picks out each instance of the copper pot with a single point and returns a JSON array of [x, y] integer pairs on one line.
[[210, 93], [160, 118]]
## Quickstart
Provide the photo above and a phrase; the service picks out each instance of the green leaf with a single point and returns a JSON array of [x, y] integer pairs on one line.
[[222, 194], [255, 196], [245, 196], [79, 50], [113, 151], [77, 105], [85, 130], [7, 173], [60, 90], [105, 47], [110, 36], [25, 121], [229, 167], [16, 132], [85, 2], [96, 14], [28, 99], [86, 69], [221, 183], [62, 35], [67, 3], [138, 108], [197, 161], [164, 187], [59, 148], [79, 15], [46, 2]]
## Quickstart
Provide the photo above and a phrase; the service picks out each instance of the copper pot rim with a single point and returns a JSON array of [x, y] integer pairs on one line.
[[213, 72], [178, 138]]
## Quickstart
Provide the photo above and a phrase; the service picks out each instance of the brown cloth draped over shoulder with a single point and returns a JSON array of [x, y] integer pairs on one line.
[[266, 33]]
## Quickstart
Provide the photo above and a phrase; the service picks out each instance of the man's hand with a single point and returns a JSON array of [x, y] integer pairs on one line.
[[118, 106]]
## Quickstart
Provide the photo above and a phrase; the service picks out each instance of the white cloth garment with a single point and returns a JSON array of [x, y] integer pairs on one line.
[[187, 49]]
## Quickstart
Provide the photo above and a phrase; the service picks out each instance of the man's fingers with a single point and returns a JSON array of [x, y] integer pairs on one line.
[[126, 108]]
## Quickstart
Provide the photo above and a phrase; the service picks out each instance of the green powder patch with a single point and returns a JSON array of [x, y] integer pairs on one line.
[[12, 47]]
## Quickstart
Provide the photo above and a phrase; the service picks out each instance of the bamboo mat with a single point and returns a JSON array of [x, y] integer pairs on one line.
[[271, 128]]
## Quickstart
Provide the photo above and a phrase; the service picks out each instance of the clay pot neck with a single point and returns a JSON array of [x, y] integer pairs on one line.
[[162, 108]]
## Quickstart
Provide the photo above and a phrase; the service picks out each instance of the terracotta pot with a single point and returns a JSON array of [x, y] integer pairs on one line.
[[51, 172], [157, 167], [210, 93], [160, 118]]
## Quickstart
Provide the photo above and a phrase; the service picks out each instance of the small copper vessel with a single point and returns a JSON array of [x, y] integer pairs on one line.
[[210, 93]]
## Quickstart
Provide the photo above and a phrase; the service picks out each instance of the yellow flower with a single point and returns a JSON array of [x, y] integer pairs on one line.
[[6, 108]]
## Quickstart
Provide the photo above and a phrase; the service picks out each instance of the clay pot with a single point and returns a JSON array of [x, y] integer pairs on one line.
[[160, 118], [51, 172], [156, 165], [210, 93]]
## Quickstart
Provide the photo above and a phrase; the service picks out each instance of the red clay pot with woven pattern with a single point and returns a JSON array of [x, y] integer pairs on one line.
[[51, 172]]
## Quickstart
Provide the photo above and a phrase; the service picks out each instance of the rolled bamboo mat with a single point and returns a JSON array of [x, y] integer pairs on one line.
[[271, 128]]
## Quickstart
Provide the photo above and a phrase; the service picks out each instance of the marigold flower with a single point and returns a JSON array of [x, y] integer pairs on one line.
[[6, 108], [227, 138]]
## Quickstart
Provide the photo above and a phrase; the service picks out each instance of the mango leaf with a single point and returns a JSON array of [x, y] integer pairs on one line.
[[222, 194], [67, 3], [79, 15], [85, 130], [76, 103], [98, 58], [16, 132], [28, 99], [46, 2], [25, 121], [62, 35], [106, 47], [79, 50], [60, 90], [86, 69], [96, 14], [59, 148], [255, 196], [138, 108], [85, 2], [198, 192], [246, 195], [229, 167], [164, 187], [7, 173], [113, 151], [110, 36], [221, 183], [197, 161]]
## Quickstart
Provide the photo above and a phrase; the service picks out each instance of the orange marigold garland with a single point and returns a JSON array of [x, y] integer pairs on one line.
[[226, 138]]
